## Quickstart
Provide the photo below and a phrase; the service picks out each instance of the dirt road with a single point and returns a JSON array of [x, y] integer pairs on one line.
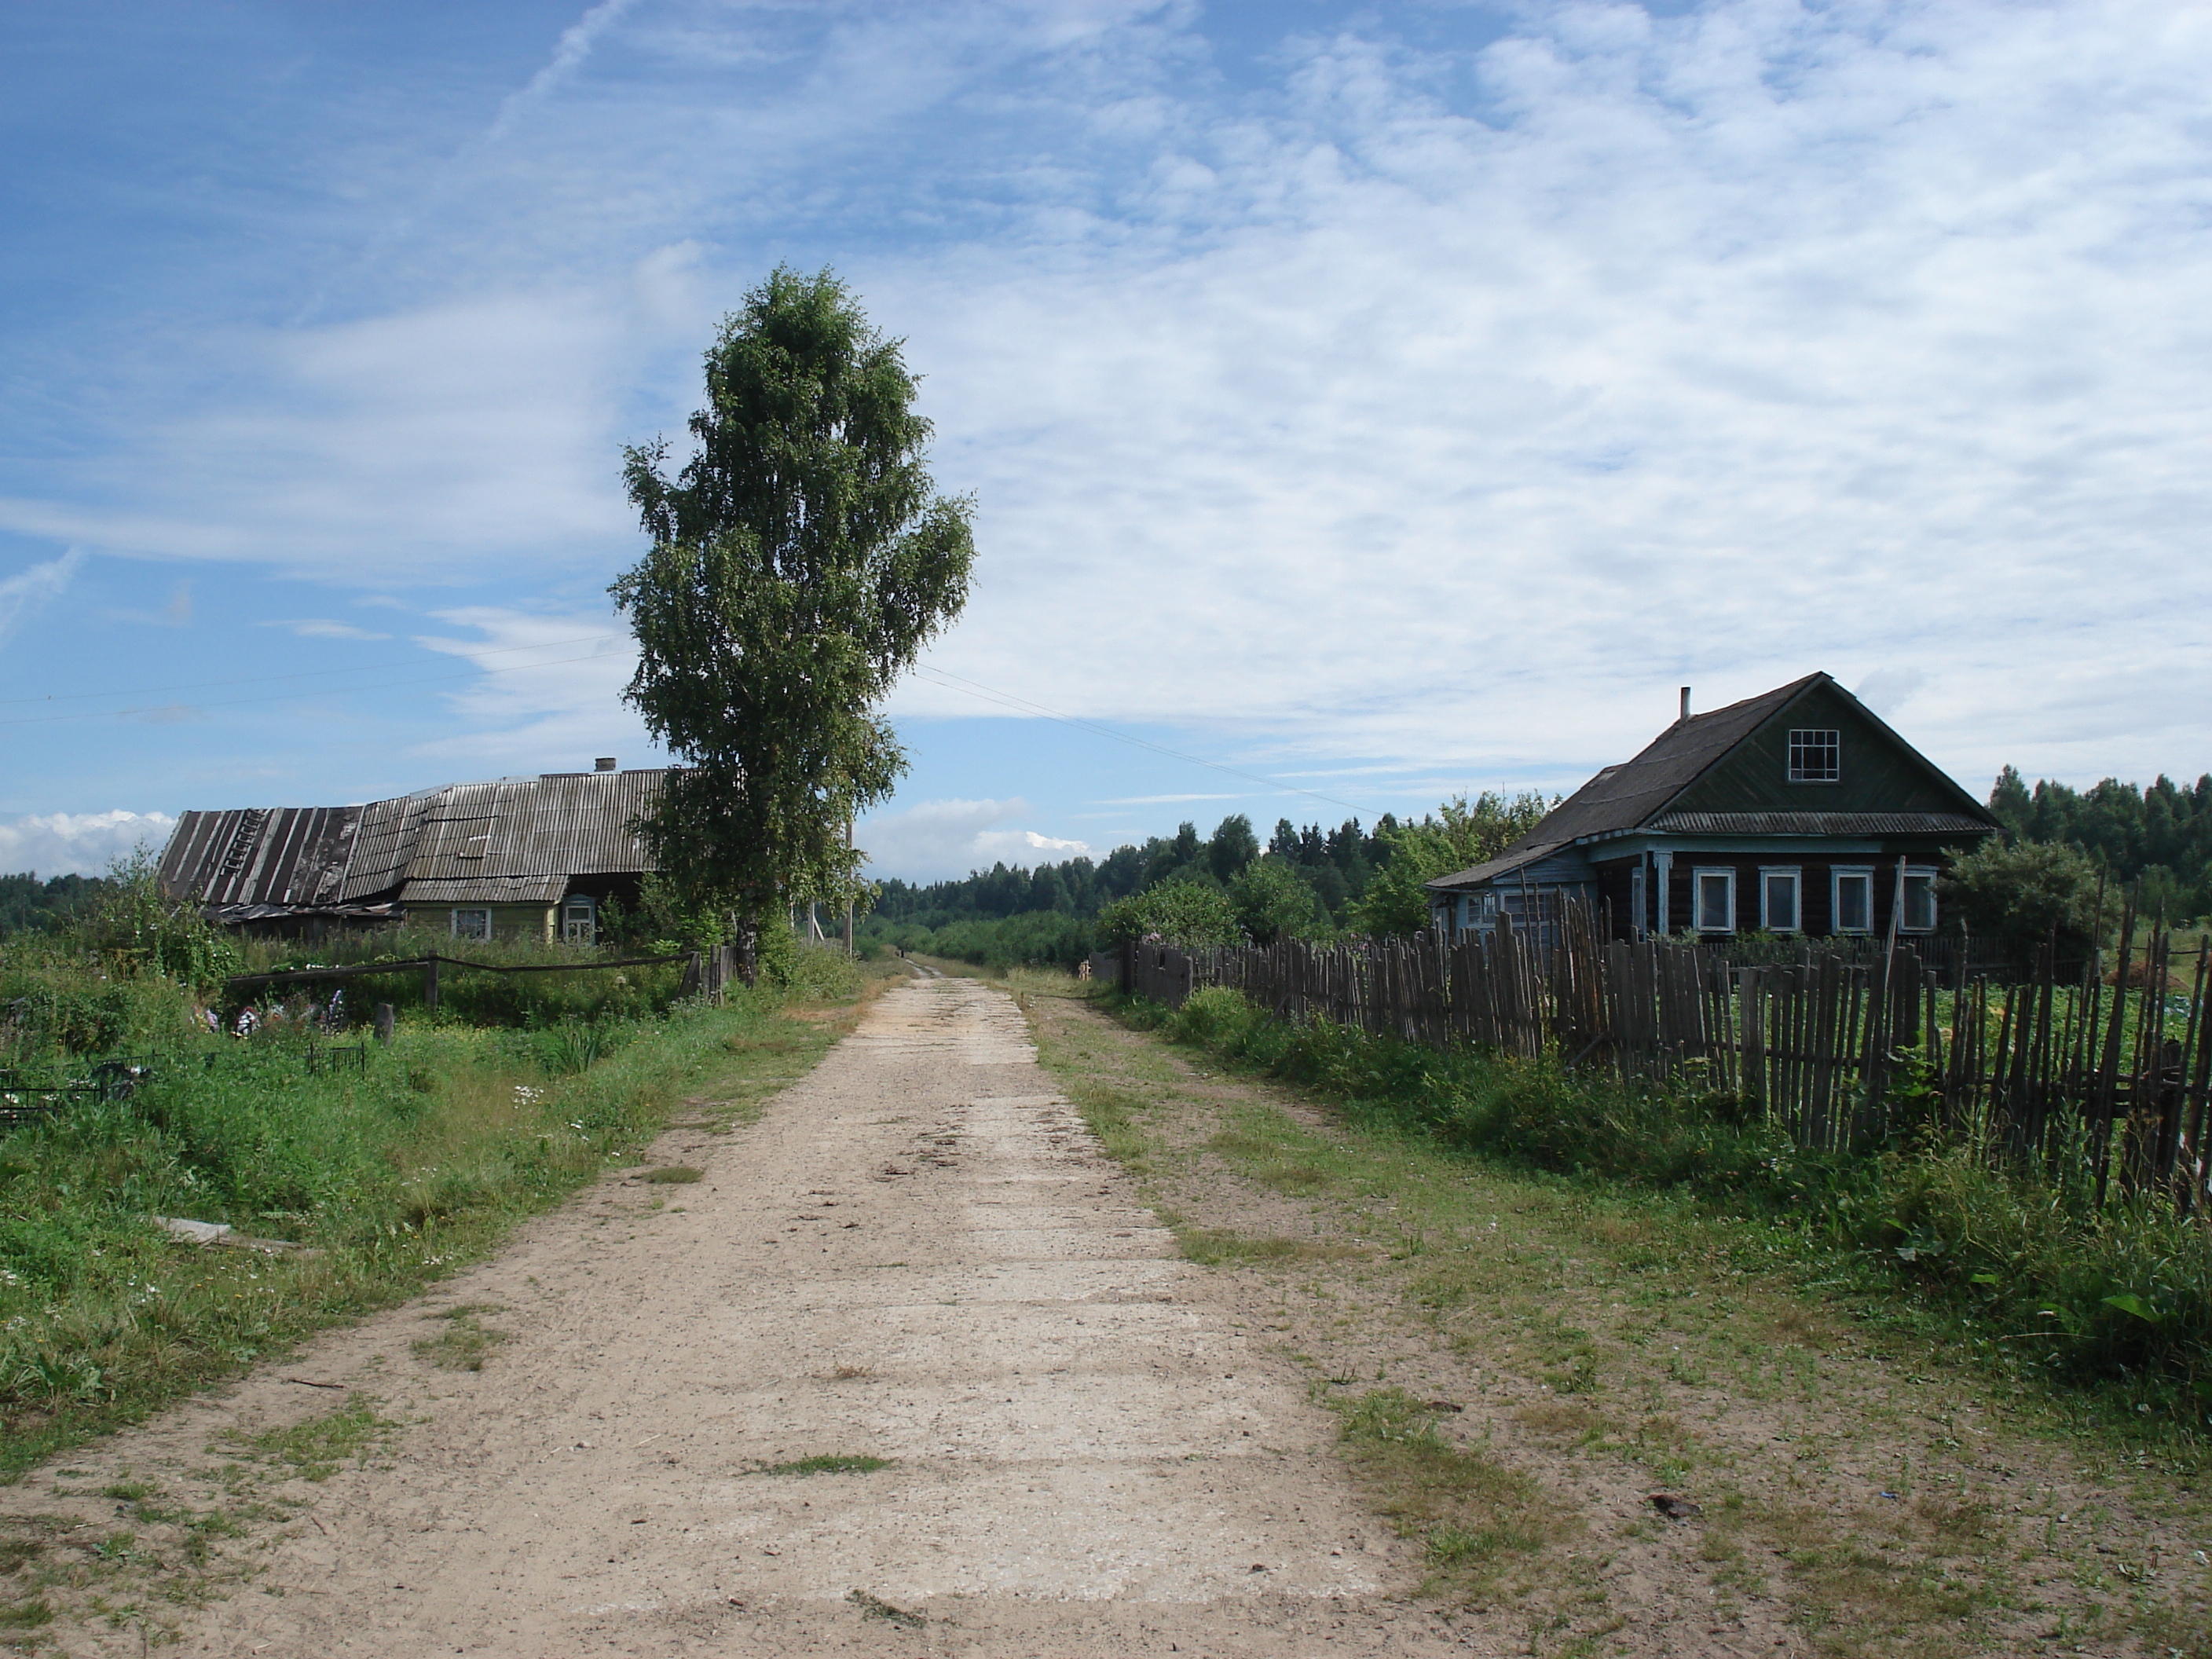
[[917, 1255]]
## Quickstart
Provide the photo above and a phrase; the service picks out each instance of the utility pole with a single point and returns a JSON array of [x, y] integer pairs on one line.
[[848, 891]]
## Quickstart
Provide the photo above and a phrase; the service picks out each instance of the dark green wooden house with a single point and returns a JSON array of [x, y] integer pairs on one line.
[[1798, 811]]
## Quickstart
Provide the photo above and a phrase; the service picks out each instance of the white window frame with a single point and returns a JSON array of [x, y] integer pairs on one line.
[[483, 911], [1835, 740], [1795, 874], [1837, 875], [591, 920], [1699, 876], [1913, 872]]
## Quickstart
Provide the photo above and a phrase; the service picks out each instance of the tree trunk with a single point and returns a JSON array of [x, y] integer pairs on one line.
[[748, 948]]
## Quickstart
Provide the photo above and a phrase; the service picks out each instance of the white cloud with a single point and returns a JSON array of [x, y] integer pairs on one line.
[[26, 591], [81, 843], [1437, 406], [940, 839], [550, 699]]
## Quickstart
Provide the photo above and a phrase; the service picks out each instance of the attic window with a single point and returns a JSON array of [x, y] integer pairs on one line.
[[1815, 755]]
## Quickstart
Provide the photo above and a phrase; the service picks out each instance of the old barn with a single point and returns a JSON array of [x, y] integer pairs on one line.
[[523, 858]]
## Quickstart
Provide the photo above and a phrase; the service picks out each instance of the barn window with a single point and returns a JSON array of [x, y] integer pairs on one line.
[[1779, 909], [1815, 755], [1853, 899], [1715, 890], [472, 923], [1919, 901]]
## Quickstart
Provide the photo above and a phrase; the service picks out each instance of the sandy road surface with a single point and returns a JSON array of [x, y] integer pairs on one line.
[[918, 1254]]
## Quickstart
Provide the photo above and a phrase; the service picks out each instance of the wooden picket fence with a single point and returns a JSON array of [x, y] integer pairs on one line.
[[2079, 1063]]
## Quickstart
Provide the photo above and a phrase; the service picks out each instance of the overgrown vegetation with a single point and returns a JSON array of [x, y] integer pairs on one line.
[[2039, 1276], [364, 1180]]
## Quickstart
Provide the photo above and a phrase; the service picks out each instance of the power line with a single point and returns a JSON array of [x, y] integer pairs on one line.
[[1008, 700]]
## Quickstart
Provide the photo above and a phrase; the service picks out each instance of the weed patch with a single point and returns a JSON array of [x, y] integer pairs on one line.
[[826, 1463], [392, 1177], [1475, 1516], [464, 1343], [316, 1449]]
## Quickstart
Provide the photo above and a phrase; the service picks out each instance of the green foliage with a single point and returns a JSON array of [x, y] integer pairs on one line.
[[2118, 1293], [467, 996], [1039, 939], [2023, 895], [1179, 912], [1459, 836], [2161, 834], [395, 1177], [28, 905], [1233, 845], [137, 930], [800, 560], [1335, 864], [1272, 901]]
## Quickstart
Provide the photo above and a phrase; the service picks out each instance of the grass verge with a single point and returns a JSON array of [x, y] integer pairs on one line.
[[383, 1181], [2113, 1297], [1523, 1360]]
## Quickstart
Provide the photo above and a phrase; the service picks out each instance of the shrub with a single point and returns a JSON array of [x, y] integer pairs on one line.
[[1181, 912], [2025, 895], [1272, 901]]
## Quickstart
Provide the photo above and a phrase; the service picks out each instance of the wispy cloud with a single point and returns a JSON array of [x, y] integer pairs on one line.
[[1164, 801], [323, 628], [551, 695], [575, 46], [24, 594]]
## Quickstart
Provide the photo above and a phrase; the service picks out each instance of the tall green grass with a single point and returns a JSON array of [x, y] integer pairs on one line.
[[387, 1180], [2038, 1275]]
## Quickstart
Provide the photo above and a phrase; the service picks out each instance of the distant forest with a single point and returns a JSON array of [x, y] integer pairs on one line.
[[2161, 836], [1009, 914], [1337, 863], [28, 905]]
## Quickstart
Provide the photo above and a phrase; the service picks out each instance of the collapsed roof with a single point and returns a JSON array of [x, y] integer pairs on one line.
[[516, 842]]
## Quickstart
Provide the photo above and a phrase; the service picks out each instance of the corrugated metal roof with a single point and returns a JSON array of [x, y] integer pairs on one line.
[[384, 842], [1818, 824], [514, 842], [288, 855], [487, 889]]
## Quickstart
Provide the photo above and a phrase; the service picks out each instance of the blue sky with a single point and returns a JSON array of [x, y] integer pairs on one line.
[[1385, 401]]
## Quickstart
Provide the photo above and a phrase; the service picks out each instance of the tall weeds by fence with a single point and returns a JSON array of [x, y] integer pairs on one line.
[[2096, 1075]]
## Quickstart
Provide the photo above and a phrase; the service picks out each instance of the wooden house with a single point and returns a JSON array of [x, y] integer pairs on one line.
[[521, 858], [1798, 811]]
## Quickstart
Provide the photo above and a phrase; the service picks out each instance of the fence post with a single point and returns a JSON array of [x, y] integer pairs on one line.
[[430, 985]]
